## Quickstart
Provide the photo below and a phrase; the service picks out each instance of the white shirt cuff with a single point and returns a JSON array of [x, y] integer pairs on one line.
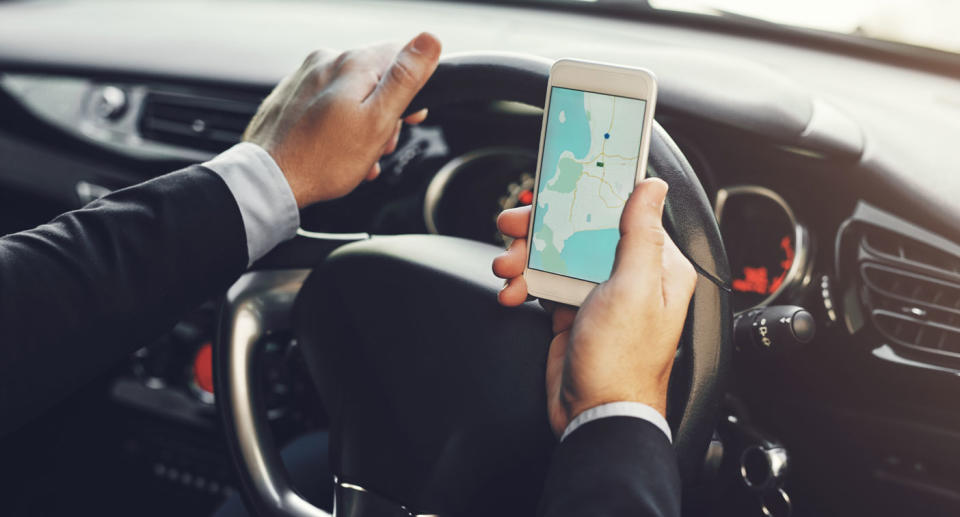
[[631, 409], [267, 206]]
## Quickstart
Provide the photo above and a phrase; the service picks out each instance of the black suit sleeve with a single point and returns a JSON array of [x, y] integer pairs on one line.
[[83, 291], [612, 467]]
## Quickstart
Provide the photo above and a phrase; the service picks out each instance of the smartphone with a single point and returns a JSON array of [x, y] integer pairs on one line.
[[594, 144]]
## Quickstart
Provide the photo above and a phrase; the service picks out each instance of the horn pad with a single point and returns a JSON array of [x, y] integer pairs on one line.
[[436, 391]]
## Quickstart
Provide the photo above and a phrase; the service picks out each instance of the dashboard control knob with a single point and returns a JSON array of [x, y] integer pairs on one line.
[[110, 103], [774, 326], [763, 466]]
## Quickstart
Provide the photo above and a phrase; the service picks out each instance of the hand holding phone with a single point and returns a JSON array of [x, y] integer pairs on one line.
[[635, 286], [619, 346], [593, 149]]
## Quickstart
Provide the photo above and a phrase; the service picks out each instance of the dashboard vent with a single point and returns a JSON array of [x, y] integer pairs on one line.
[[908, 282], [204, 123]]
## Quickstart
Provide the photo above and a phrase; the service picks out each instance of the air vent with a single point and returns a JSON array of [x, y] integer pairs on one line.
[[908, 284], [204, 123]]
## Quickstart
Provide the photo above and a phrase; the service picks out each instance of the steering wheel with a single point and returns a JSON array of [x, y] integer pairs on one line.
[[435, 392]]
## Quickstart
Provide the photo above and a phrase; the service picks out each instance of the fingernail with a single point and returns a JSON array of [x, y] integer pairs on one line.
[[420, 43], [658, 184], [658, 194], [423, 43]]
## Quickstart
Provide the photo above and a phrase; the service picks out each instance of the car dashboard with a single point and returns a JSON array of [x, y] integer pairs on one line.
[[830, 174]]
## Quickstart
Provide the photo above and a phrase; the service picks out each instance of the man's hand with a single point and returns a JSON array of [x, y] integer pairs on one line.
[[328, 123], [620, 345]]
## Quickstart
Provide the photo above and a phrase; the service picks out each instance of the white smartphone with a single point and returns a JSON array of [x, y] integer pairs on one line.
[[593, 150]]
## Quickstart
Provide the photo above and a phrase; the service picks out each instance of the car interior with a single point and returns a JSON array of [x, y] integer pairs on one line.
[[812, 184]]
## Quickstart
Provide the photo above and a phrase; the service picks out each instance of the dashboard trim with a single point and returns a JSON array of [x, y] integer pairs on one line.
[[71, 105], [887, 353]]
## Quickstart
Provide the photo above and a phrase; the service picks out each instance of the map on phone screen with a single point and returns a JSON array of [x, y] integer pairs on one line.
[[588, 170]]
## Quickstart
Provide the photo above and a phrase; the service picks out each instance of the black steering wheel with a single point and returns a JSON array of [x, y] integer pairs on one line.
[[435, 392]]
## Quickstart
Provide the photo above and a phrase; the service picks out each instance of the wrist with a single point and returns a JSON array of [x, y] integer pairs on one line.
[[267, 206]]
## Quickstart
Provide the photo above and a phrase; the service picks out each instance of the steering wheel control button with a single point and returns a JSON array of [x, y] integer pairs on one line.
[[774, 327]]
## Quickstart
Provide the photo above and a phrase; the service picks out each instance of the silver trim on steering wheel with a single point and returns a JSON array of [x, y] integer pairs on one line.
[[259, 302], [326, 236]]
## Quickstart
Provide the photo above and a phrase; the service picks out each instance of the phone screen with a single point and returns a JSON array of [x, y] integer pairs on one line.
[[591, 147]]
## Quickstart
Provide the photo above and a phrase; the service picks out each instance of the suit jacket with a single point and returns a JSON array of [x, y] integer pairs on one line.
[[614, 466], [82, 292]]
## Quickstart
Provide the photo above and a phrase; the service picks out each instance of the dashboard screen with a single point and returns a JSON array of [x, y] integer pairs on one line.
[[588, 170]]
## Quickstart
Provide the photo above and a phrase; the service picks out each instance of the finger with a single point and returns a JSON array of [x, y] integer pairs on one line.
[[394, 140], [511, 262], [563, 317], [408, 72], [642, 237], [316, 63], [283, 89], [514, 222], [269, 108], [373, 172], [679, 276], [376, 57], [514, 292], [416, 117], [358, 71], [556, 356], [319, 56], [323, 68]]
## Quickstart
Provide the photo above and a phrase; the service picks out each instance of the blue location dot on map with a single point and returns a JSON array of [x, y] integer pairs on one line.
[[606, 135]]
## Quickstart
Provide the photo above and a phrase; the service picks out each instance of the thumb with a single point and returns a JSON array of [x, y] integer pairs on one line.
[[642, 237], [408, 72]]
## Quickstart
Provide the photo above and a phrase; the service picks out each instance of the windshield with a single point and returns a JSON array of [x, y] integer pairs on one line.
[[927, 23]]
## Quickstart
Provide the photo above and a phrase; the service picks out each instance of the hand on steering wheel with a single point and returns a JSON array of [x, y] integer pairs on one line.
[[620, 345], [327, 124]]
